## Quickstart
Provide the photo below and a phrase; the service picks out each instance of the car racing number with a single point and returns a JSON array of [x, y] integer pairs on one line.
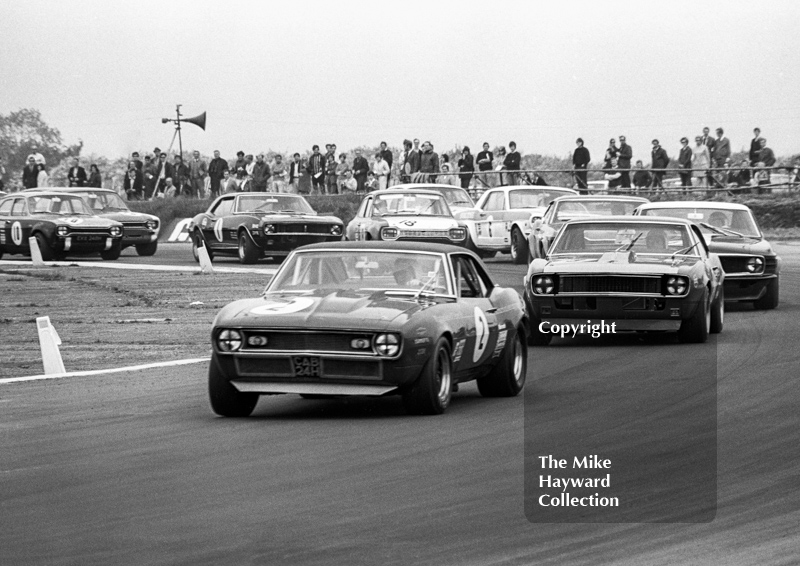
[[305, 366], [481, 335], [16, 233]]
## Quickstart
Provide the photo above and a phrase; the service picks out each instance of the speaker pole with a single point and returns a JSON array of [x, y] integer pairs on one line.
[[178, 124]]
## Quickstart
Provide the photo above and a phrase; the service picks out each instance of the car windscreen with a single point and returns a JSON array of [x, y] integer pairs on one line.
[[101, 201], [362, 271], [740, 221], [273, 203], [415, 204], [533, 198], [642, 238], [456, 196], [57, 204], [572, 209]]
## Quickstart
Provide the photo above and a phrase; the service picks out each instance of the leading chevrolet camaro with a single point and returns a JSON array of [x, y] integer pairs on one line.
[[367, 318], [642, 273]]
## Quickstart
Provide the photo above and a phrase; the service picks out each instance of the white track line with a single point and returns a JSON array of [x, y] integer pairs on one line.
[[102, 371], [143, 266]]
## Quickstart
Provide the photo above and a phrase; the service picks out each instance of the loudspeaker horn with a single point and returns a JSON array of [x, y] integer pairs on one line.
[[199, 120]]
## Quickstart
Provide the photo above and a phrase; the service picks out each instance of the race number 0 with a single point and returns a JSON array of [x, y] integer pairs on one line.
[[16, 233], [481, 335], [218, 229]]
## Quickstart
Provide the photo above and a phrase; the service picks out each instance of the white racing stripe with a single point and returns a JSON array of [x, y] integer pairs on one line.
[[144, 266], [104, 371]]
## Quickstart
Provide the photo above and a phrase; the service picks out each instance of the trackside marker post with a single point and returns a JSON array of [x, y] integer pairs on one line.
[[205, 261], [36, 253], [49, 342]]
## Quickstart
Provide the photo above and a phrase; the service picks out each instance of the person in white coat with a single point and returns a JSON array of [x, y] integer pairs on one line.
[[381, 170]]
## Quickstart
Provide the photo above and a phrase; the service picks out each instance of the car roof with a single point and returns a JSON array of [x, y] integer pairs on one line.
[[408, 189], [388, 246], [423, 186], [695, 204], [42, 191], [536, 187], [611, 198], [631, 220], [79, 189]]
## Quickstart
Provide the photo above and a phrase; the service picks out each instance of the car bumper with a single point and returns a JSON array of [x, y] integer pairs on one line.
[[73, 244], [746, 287], [630, 312], [282, 244], [132, 237]]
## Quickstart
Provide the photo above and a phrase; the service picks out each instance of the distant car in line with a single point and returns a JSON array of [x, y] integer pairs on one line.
[[252, 226]]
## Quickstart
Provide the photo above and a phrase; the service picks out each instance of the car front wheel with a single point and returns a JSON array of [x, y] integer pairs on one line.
[[147, 249], [45, 249], [695, 329], [112, 253], [508, 376], [430, 394], [718, 313], [225, 399], [519, 246], [770, 299], [197, 242], [248, 252]]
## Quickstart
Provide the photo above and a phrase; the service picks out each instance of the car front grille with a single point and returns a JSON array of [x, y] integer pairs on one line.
[[302, 229], [609, 284], [355, 370], [424, 233], [316, 342]]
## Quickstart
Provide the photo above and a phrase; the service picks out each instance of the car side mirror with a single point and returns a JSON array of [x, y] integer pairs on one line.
[[536, 223]]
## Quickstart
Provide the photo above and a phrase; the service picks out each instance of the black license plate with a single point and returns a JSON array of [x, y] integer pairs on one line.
[[88, 238], [306, 366]]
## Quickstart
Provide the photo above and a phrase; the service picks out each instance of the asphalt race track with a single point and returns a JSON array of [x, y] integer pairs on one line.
[[135, 469]]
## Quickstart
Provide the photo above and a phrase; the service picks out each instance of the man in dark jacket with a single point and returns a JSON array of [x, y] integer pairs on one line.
[[624, 163], [641, 178], [360, 170], [261, 174], [414, 158], [150, 175], [133, 182], [76, 174], [512, 163], [580, 162], [316, 169], [165, 171], [30, 173], [466, 167], [428, 163], [180, 177], [484, 161], [294, 173], [388, 158], [659, 162], [685, 163], [755, 147], [216, 171]]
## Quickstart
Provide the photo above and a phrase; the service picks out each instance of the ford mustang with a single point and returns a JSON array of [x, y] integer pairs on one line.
[[642, 273], [752, 268], [365, 318], [256, 225]]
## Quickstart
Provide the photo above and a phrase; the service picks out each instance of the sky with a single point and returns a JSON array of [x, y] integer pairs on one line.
[[284, 76]]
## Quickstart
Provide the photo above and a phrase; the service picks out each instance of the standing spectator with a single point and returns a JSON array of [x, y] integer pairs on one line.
[[501, 157], [405, 164], [294, 174], [133, 182], [755, 147], [428, 163], [2, 173], [387, 156], [30, 173], [701, 159], [641, 177], [246, 184], [165, 170], [279, 174], [240, 166], [76, 174], [611, 152], [709, 142], [381, 170], [137, 161], [360, 170], [261, 175], [659, 162], [216, 170], [612, 174], [766, 159], [512, 163], [722, 149], [580, 163], [624, 162], [228, 183], [197, 171], [330, 170], [341, 171], [485, 163], [685, 164], [42, 178], [316, 168], [415, 159], [150, 175], [180, 176], [95, 178], [466, 167]]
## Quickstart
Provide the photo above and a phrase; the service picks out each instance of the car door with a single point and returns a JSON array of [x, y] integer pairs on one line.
[[477, 315], [20, 226], [212, 229], [354, 231], [5, 224], [490, 227]]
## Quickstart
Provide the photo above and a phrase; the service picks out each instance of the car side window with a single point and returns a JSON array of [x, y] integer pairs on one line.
[[470, 284], [494, 202], [18, 208], [362, 209], [223, 207], [5, 206]]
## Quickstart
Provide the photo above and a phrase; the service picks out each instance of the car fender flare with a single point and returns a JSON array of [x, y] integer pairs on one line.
[[243, 228], [519, 224]]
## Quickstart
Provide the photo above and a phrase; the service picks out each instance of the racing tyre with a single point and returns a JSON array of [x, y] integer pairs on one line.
[[113, 253], [147, 249], [508, 376], [430, 394], [225, 399], [695, 330], [718, 313], [519, 246], [248, 252], [47, 252], [197, 241], [770, 299]]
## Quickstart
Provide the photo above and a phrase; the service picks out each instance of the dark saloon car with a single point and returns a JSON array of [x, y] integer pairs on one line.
[[641, 273], [752, 268], [256, 225], [138, 229], [364, 318], [61, 222]]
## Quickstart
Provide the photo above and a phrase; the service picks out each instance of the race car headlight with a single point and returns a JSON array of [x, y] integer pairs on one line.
[[543, 285], [62, 230], [677, 285], [387, 344], [229, 340], [389, 233], [755, 265], [152, 224], [336, 230], [116, 231], [269, 228], [457, 234]]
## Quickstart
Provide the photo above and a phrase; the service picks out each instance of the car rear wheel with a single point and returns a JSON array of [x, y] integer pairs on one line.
[[718, 313], [147, 249], [508, 376], [248, 252], [47, 252], [770, 299], [225, 399], [113, 252], [519, 246], [430, 394], [695, 329], [197, 242]]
